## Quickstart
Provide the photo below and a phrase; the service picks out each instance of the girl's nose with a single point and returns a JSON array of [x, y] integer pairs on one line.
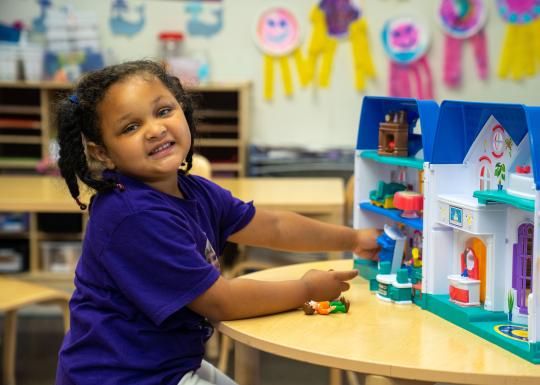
[[155, 131]]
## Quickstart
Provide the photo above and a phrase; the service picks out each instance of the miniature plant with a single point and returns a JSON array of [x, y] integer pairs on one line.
[[510, 300], [500, 173], [508, 145]]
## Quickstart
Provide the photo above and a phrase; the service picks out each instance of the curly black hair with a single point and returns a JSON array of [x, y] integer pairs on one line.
[[77, 118]]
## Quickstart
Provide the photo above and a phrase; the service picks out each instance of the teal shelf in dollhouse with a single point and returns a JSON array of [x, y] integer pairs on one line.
[[410, 162], [394, 214], [501, 196]]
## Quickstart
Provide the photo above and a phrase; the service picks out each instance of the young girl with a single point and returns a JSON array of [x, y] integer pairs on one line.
[[148, 278]]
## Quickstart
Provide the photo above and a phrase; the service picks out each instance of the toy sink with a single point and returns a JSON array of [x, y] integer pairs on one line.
[[464, 291]]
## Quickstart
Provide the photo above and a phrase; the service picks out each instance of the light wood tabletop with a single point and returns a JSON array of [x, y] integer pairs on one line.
[[14, 295], [403, 343], [320, 197]]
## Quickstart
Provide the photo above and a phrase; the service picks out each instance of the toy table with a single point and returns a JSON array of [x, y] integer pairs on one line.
[[403, 343]]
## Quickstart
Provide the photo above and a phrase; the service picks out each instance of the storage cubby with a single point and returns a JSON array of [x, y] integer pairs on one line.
[[27, 130]]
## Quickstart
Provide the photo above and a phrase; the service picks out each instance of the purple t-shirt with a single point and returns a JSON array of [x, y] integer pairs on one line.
[[146, 255]]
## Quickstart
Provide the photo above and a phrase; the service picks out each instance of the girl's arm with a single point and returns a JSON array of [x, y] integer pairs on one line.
[[288, 231], [243, 298]]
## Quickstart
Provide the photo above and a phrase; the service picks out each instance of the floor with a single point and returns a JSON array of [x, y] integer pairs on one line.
[[39, 338]]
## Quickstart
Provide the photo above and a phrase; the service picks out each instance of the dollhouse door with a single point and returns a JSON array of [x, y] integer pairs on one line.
[[475, 255], [469, 262], [522, 266]]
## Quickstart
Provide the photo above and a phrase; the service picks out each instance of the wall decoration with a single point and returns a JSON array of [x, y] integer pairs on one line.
[[334, 21], [406, 41], [519, 56], [38, 23], [277, 34], [197, 26], [463, 20], [125, 20]]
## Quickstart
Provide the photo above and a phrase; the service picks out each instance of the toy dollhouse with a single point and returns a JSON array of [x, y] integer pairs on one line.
[[479, 232], [381, 175]]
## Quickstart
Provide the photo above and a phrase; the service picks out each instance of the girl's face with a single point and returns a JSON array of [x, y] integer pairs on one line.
[[144, 130]]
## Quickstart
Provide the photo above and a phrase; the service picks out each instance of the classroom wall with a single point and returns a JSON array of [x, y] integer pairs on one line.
[[311, 117]]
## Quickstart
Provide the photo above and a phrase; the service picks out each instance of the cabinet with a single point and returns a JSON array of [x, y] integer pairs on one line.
[[27, 131], [41, 225]]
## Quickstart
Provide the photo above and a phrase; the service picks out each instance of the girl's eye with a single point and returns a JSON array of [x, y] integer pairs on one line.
[[164, 111], [130, 128]]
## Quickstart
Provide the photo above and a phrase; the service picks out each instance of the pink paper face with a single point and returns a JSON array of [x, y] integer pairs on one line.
[[462, 18], [277, 31], [404, 35], [405, 39]]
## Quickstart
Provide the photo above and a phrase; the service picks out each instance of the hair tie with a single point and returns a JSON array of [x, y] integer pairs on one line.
[[82, 206], [73, 99]]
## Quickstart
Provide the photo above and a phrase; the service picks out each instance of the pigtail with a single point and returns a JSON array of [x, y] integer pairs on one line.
[[71, 146], [73, 163]]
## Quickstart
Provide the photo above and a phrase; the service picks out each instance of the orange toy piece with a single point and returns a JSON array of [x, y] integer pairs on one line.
[[326, 307], [410, 202]]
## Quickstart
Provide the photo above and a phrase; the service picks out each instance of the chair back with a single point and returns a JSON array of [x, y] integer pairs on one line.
[[201, 166]]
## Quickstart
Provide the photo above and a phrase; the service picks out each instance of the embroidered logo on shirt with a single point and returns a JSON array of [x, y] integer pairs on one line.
[[211, 256]]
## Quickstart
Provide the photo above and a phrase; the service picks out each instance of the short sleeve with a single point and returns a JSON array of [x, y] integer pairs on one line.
[[235, 215], [155, 260]]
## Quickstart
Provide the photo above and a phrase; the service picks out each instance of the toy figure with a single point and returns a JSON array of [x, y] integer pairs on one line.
[[327, 307]]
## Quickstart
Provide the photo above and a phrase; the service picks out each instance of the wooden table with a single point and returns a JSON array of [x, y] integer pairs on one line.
[[323, 198], [15, 295], [318, 197], [402, 343]]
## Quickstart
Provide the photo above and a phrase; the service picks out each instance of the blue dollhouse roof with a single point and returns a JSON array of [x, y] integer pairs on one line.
[[459, 123], [374, 108]]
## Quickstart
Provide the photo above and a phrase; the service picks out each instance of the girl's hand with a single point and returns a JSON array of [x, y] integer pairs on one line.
[[366, 243], [327, 285]]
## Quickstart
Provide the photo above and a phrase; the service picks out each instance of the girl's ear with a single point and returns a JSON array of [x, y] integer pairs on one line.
[[99, 153]]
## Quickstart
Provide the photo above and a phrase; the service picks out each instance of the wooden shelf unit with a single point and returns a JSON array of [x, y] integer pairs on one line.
[[30, 242], [27, 130]]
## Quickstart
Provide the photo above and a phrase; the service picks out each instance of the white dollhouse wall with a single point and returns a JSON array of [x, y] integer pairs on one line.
[[459, 179], [522, 156], [487, 150], [438, 239]]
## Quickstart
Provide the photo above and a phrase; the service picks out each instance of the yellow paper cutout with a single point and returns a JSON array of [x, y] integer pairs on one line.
[[286, 74], [323, 45], [520, 56]]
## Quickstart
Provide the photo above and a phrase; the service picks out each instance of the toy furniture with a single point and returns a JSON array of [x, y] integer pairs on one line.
[[403, 344], [393, 134], [14, 295], [384, 195], [410, 202]]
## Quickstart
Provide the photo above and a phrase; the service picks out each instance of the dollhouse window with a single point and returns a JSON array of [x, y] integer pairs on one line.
[[522, 275], [485, 178], [497, 141]]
